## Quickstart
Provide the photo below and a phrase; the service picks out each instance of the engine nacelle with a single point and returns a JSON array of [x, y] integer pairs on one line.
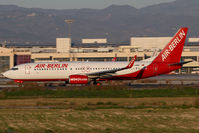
[[78, 79]]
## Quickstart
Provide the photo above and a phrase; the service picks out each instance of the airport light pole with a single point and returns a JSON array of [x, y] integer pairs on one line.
[[69, 22]]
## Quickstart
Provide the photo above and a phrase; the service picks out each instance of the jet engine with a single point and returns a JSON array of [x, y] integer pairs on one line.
[[78, 79]]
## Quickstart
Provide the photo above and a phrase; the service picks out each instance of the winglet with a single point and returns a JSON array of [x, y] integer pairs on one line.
[[114, 59], [130, 65]]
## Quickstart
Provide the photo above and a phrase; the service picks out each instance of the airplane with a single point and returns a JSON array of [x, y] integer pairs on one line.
[[168, 60]]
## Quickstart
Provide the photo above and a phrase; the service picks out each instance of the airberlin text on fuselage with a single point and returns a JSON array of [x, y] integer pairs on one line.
[[51, 66], [173, 45]]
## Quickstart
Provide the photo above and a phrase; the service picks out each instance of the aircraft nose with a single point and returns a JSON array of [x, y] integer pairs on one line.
[[6, 74]]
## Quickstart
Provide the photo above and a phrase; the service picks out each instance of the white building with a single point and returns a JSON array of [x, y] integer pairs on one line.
[[63, 45], [99, 40], [193, 40], [149, 42]]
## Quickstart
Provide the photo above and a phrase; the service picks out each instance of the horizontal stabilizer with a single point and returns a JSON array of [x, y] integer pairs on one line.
[[180, 63]]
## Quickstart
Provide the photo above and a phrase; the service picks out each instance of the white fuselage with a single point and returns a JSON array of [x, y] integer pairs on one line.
[[62, 70]]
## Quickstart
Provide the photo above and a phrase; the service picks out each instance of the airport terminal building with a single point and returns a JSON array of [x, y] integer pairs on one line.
[[95, 50]]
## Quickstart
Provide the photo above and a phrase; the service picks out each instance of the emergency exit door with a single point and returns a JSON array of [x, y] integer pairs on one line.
[[27, 69]]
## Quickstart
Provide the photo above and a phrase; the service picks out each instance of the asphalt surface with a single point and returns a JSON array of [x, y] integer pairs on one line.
[[163, 80], [177, 77]]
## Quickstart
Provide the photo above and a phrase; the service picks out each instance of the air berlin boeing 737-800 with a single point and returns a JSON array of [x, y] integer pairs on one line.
[[169, 59]]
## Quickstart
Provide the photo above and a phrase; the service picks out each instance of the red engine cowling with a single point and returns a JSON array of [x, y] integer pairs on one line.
[[78, 79]]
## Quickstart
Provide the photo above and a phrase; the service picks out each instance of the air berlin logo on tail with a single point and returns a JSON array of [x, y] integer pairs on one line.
[[173, 45]]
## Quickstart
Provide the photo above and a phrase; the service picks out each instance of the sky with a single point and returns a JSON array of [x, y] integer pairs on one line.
[[76, 4]]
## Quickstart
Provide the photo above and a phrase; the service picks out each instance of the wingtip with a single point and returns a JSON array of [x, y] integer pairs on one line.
[[130, 65]]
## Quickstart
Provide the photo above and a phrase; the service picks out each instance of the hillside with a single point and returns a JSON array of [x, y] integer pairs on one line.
[[117, 23]]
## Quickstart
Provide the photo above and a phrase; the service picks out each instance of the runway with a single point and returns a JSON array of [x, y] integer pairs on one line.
[[163, 80], [177, 77]]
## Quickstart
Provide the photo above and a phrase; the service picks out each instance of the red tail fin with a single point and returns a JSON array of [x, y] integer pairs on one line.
[[173, 50]]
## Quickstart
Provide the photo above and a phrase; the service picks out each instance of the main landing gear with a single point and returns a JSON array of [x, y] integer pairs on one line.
[[96, 83]]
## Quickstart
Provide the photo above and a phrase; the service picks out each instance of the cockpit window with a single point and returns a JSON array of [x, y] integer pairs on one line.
[[14, 68]]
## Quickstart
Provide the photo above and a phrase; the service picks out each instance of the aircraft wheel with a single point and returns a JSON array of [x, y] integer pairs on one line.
[[97, 84], [21, 85]]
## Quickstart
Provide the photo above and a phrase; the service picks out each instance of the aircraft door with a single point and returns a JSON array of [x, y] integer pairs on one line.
[[27, 69]]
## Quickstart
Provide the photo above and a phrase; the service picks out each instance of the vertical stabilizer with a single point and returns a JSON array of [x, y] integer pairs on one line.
[[173, 50]]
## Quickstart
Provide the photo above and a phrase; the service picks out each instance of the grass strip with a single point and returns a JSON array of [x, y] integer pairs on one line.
[[99, 93]]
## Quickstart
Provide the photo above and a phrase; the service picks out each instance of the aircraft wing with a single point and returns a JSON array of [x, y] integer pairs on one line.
[[110, 73]]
